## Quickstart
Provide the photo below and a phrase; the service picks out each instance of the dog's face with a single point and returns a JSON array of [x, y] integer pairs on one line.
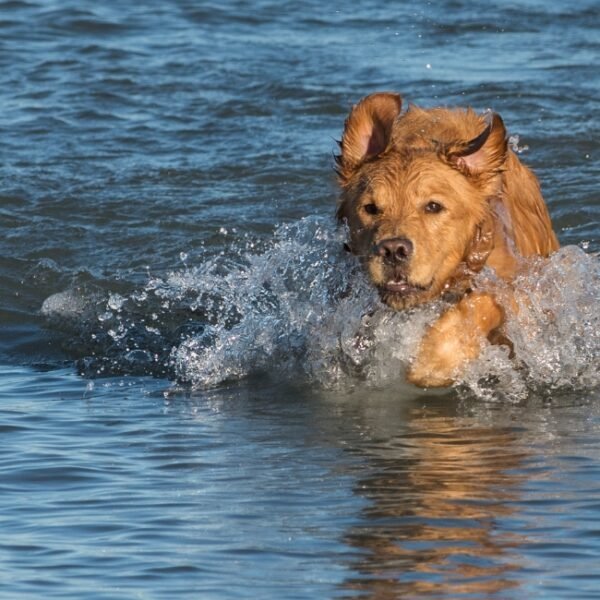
[[415, 193]]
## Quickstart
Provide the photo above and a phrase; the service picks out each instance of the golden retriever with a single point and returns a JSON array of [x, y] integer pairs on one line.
[[430, 197]]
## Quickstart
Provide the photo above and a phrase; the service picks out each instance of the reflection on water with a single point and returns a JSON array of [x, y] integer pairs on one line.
[[437, 492], [262, 491], [470, 499]]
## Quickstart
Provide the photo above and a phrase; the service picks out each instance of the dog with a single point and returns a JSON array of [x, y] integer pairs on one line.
[[430, 197]]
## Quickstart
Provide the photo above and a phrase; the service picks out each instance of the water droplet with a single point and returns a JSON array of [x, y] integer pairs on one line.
[[115, 302], [303, 306]]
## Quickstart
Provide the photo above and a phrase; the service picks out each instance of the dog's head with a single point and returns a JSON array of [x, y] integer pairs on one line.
[[416, 191]]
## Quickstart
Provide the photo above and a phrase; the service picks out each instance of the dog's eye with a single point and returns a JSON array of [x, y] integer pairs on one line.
[[433, 207], [371, 208]]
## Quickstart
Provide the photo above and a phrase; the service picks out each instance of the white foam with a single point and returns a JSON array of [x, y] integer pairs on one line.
[[67, 304], [303, 306], [556, 331]]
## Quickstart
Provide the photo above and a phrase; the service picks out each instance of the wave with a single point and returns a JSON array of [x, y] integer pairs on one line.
[[299, 306]]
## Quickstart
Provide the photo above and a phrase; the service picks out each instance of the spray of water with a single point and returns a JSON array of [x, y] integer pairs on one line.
[[301, 307]]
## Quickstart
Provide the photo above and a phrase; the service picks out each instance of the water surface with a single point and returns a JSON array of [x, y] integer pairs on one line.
[[200, 397]]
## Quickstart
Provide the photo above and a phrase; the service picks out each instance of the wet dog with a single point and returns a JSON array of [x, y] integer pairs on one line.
[[430, 197]]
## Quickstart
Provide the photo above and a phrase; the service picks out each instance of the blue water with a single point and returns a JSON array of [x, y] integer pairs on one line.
[[192, 403]]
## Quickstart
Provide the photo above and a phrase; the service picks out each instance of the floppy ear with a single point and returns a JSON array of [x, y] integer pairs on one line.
[[485, 154], [367, 131]]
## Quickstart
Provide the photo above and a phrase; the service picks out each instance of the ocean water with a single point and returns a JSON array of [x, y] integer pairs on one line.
[[200, 395]]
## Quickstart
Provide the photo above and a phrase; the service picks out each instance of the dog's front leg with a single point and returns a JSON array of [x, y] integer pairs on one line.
[[454, 339]]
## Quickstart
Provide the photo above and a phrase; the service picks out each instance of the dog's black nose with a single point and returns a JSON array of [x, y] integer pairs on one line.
[[394, 250]]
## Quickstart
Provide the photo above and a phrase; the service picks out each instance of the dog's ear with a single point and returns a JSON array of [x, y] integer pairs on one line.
[[367, 131], [484, 154]]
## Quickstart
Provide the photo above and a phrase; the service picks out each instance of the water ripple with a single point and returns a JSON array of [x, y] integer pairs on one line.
[[157, 162]]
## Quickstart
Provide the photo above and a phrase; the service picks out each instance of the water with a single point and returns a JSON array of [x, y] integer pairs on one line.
[[201, 397]]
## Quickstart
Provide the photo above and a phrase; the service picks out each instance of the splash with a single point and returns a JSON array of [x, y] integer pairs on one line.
[[295, 308], [300, 307], [556, 331]]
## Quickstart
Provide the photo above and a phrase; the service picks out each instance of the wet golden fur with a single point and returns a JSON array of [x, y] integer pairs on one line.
[[431, 197]]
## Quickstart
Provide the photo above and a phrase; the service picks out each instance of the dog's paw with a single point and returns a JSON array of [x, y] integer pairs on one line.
[[441, 358], [453, 340]]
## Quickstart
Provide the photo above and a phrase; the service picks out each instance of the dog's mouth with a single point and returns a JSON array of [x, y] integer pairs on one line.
[[399, 292], [400, 285]]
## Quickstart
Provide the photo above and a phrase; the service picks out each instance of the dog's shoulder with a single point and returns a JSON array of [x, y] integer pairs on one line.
[[521, 194]]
